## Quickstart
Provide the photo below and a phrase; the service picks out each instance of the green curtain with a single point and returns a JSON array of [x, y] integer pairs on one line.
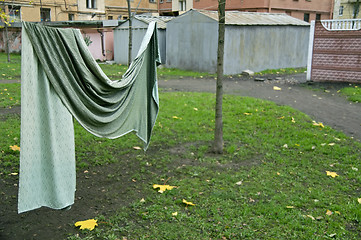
[[61, 80]]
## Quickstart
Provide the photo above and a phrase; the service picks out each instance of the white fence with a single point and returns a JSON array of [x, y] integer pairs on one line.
[[344, 24]]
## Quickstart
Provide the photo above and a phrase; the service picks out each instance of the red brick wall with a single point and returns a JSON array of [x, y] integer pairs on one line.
[[336, 55]]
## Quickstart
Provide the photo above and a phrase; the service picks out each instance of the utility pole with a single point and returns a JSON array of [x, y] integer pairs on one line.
[[356, 9], [130, 32]]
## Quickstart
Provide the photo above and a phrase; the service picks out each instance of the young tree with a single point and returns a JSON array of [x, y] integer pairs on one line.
[[5, 18], [218, 133]]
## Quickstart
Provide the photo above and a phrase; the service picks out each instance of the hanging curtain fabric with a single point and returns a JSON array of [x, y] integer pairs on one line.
[[61, 80]]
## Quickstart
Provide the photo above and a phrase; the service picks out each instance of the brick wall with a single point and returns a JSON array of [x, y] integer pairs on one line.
[[336, 55]]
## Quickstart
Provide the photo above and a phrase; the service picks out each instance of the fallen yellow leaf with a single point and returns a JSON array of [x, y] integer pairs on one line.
[[163, 188], [290, 207], [314, 123], [87, 224], [15, 148], [310, 216], [175, 117], [137, 148], [195, 109], [175, 214], [14, 173], [338, 212], [293, 120], [359, 200], [329, 213], [332, 174], [277, 88], [188, 203], [246, 113]]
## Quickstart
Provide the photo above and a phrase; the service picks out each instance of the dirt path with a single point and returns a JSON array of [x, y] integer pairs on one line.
[[320, 101]]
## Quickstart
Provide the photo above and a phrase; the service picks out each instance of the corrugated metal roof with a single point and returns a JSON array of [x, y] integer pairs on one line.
[[255, 18], [161, 20]]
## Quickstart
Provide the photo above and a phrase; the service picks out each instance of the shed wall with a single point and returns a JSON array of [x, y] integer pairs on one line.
[[121, 39], [265, 47], [192, 43]]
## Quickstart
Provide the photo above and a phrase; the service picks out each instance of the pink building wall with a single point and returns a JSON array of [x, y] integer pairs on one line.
[[102, 43], [294, 8], [95, 47]]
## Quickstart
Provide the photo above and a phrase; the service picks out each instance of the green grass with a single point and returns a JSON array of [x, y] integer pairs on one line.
[[270, 183], [276, 155], [282, 71], [115, 71], [352, 93], [12, 70], [280, 189], [9, 95]]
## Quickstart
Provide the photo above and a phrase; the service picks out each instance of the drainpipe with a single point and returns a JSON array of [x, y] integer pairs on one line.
[[102, 41], [269, 6], [331, 10]]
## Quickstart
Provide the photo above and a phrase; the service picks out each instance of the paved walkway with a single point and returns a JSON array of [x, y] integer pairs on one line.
[[328, 107]]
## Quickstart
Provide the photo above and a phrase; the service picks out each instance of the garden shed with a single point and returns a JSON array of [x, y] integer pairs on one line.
[[139, 27], [255, 41]]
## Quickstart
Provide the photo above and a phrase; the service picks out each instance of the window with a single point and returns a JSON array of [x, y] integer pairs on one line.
[[14, 13], [340, 11], [306, 17], [45, 15], [182, 5], [91, 4], [160, 1], [318, 17], [110, 17], [71, 17], [152, 1]]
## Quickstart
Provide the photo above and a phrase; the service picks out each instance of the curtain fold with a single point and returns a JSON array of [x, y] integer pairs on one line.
[[61, 80]]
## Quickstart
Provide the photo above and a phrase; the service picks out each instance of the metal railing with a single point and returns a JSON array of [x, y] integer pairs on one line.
[[344, 24]]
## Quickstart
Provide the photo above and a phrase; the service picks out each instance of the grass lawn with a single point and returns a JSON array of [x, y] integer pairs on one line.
[[9, 95], [271, 182], [281, 177], [352, 93], [10, 71]]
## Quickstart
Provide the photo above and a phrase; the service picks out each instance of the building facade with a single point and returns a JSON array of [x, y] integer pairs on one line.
[[73, 10], [306, 10], [347, 9]]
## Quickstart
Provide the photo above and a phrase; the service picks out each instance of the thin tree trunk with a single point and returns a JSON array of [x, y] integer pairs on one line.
[[130, 34], [7, 41], [218, 133], [6, 20]]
